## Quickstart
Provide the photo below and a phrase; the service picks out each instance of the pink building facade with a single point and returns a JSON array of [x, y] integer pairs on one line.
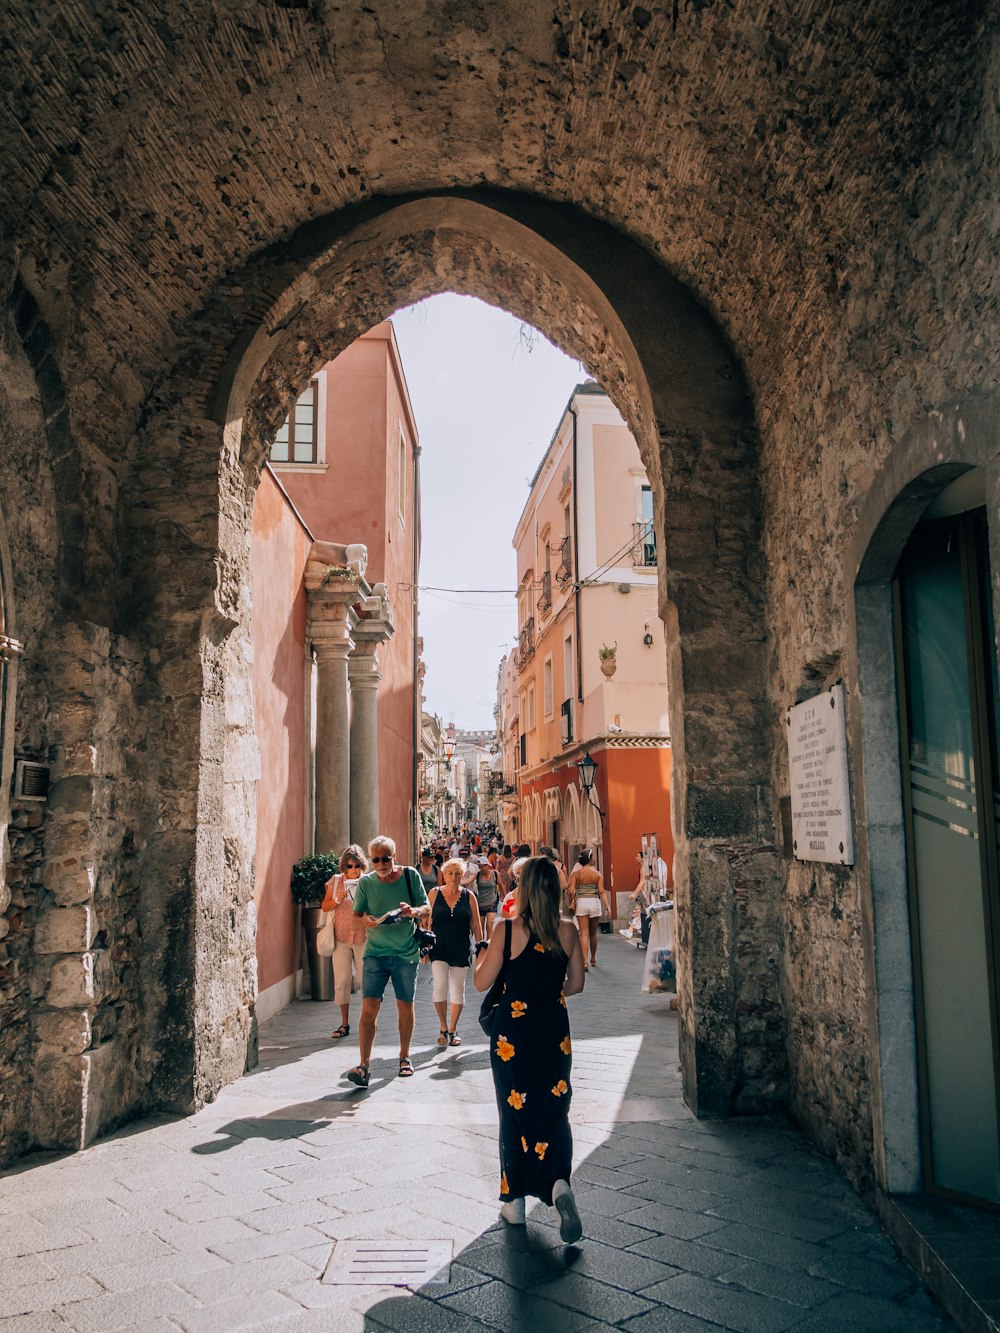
[[335, 552]]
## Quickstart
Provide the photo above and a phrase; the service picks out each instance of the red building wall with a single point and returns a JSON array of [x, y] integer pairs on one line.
[[633, 788], [278, 553]]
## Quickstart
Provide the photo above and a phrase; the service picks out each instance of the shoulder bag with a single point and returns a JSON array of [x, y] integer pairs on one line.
[[491, 1000], [326, 936]]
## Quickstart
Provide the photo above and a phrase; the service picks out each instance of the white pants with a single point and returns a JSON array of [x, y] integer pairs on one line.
[[449, 983], [588, 907], [342, 956]]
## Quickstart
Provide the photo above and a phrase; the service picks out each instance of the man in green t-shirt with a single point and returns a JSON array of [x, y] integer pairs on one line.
[[391, 952]]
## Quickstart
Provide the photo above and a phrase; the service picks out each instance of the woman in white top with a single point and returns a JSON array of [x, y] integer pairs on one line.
[[350, 935], [588, 901]]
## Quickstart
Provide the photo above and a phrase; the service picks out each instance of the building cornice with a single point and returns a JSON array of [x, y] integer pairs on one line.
[[608, 740]]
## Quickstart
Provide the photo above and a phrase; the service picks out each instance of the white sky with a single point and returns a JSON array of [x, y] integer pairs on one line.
[[486, 407]]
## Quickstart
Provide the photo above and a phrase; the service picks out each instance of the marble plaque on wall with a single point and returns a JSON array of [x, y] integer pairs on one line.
[[820, 784]]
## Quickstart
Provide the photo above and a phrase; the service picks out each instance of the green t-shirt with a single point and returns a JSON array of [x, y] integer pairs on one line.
[[375, 898]]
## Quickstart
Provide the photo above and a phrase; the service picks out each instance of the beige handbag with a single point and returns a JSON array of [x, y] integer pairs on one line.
[[326, 937]]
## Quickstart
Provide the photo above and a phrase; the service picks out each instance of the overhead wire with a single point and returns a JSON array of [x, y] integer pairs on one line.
[[629, 545], [536, 583], [472, 606]]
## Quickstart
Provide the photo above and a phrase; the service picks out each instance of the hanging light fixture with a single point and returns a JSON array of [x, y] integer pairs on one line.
[[588, 771]]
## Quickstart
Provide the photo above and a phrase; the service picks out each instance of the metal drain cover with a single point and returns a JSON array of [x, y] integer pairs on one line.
[[389, 1263]]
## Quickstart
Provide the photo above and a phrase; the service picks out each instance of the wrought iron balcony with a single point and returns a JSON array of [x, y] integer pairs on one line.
[[526, 642], [564, 569], [545, 596], [644, 547]]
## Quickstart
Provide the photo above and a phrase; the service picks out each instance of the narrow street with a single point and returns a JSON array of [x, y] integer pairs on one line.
[[228, 1219]]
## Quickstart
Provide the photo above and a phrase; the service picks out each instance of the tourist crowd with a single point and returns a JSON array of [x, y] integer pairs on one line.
[[444, 912]]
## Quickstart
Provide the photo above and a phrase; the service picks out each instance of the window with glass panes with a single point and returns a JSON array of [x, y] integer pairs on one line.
[[296, 441]]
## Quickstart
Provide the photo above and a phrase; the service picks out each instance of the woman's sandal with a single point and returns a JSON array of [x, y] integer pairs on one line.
[[443, 1038], [343, 1031], [405, 1067], [360, 1075], [454, 1039]]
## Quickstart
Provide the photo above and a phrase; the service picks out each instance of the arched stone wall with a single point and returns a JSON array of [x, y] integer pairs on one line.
[[669, 370], [937, 450], [68, 967], [825, 186]]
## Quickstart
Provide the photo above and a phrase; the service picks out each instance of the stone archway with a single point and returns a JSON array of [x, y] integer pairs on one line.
[[69, 987], [668, 368]]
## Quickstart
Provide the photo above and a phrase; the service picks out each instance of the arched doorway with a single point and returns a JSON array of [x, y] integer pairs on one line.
[[949, 713], [925, 714]]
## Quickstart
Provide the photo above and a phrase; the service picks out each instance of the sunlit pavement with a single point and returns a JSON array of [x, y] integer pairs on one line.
[[228, 1219]]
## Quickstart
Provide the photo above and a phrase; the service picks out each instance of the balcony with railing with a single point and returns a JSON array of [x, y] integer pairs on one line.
[[644, 545], [545, 596], [525, 642], [564, 567], [566, 721]]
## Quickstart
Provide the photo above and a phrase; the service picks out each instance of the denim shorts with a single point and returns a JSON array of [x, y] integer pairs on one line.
[[377, 969]]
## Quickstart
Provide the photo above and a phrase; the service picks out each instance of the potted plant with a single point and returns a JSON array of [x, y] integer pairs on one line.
[[608, 653], [308, 885]]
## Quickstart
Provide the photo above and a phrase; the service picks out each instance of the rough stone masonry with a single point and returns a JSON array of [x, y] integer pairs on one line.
[[768, 229]]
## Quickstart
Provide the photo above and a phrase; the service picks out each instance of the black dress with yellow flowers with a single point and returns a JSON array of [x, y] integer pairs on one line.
[[531, 1057]]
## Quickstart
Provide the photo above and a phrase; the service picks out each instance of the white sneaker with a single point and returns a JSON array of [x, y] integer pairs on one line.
[[513, 1212], [570, 1226]]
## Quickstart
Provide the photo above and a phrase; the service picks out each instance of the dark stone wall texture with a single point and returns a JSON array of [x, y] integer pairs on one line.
[[190, 222]]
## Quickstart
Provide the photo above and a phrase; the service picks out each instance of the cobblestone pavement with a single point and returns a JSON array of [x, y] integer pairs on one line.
[[227, 1219]]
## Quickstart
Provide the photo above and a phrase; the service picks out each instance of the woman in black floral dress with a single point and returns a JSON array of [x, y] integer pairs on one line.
[[530, 1050]]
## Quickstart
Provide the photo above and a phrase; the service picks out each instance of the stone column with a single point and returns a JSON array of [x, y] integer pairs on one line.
[[331, 618], [364, 675]]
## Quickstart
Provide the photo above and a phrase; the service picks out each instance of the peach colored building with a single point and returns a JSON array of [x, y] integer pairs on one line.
[[333, 633], [587, 582]]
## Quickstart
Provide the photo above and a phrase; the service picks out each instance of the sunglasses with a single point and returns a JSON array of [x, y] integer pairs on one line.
[[352, 865], [381, 860]]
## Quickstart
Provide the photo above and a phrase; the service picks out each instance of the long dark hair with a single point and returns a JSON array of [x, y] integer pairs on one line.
[[538, 901]]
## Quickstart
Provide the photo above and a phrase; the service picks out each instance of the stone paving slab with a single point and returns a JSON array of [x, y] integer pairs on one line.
[[227, 1219]]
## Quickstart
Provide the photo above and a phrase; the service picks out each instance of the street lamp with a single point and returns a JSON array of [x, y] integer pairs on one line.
[[588, 772], [449, 743]]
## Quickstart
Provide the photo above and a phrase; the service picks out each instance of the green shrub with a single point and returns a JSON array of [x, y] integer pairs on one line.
[[309, 877]]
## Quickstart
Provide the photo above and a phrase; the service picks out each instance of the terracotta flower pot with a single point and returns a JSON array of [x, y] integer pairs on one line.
[[609, 666]]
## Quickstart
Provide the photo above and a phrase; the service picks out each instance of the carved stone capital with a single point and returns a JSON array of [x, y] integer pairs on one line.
[[331, 619], [362, 665]]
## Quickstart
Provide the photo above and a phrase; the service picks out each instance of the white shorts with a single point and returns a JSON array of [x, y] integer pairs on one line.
[[449, 983], [588, 907]]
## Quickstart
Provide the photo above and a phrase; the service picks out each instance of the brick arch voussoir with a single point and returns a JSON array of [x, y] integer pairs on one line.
[[64, 458]]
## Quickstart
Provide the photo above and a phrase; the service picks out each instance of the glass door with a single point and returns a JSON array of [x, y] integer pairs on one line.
[[948, 718]]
